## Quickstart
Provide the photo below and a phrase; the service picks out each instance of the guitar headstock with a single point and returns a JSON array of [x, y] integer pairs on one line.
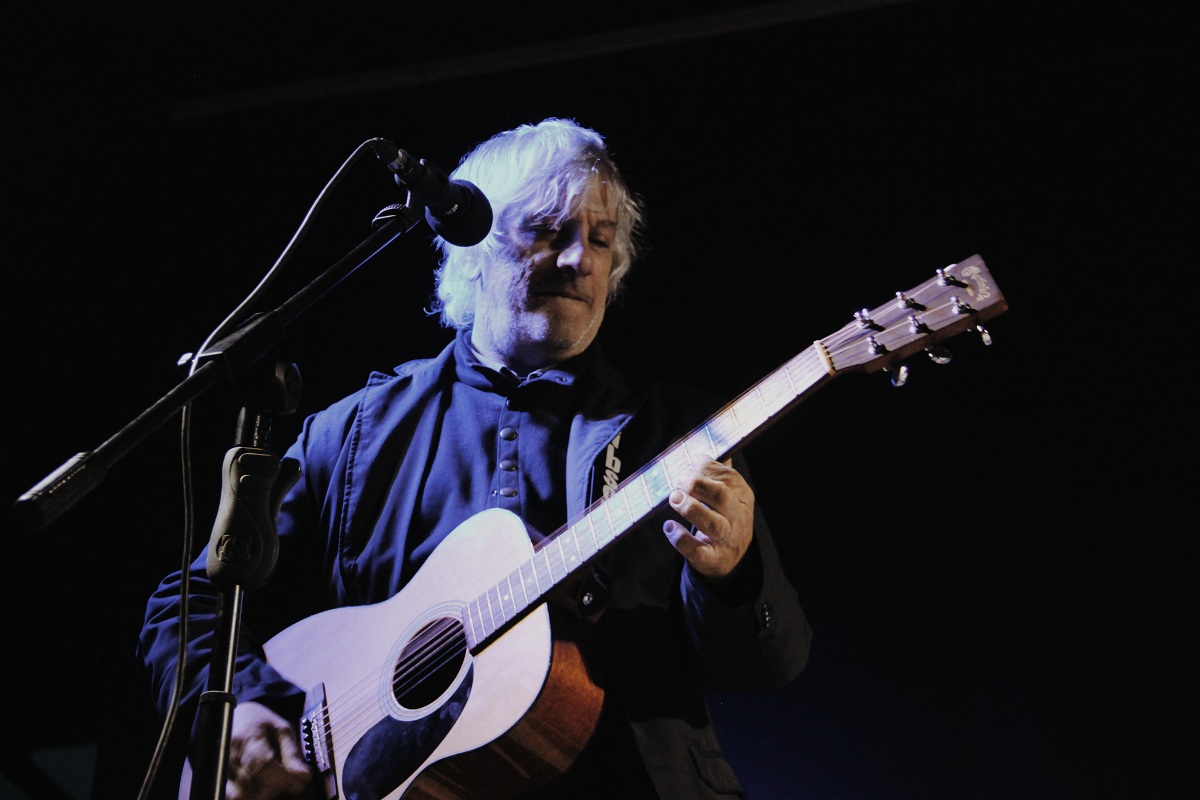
[[958, 298]]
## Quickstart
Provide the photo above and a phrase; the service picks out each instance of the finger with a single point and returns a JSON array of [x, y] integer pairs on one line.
[[276, 780], [682, 540], [705, 481], [242, 783], [293, 763], [708, 522], [271, 765], [258, 751]]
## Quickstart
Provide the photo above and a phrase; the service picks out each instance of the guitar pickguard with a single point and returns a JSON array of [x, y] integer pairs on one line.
[[393, 749]]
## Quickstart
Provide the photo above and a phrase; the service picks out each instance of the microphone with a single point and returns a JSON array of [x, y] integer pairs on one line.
[[456, 210]]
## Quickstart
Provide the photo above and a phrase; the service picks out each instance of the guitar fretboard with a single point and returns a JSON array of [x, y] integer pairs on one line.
[[955, 299], [604, 522]]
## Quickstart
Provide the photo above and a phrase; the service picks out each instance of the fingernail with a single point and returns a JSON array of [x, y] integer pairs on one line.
[[676, 497]]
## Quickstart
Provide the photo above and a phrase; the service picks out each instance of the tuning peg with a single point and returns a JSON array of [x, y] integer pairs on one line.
[[899, 375], [939, 355], [904, 301], [865, 321], [984, 336], [944, 278], [959, 306], [917, 325]]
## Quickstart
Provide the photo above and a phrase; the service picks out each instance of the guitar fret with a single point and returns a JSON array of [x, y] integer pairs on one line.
[[764, 408], [748, 413], [806, 369], [618, 514], [787, 373], [530, 581], [727, 433], [687, 444], [493, 596], [650, 501], [475, 620], [675, 463], [657, 482], [608, 532], [574, 554], [554, 559], [629, 496], [773, 394], [507, 603], [766, 400], [564, 556], [590, 518], [542, 572], [517, 581], [491, 615], [587, 547]]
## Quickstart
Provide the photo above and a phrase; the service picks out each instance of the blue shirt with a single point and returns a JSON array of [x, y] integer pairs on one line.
[[501, 443]]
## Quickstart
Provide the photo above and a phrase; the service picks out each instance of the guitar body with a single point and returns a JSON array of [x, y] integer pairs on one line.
[[398, 707]]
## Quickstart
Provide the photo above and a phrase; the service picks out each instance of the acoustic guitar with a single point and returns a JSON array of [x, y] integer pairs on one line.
[[455, 688]]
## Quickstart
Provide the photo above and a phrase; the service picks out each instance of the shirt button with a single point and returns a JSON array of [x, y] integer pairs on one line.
[[508, 491], [508, 465], [508, 434]]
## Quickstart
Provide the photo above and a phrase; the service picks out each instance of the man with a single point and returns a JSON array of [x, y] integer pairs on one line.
[[522, 412]]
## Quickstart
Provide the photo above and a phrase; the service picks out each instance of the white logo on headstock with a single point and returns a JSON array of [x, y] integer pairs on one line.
[[979, 289]]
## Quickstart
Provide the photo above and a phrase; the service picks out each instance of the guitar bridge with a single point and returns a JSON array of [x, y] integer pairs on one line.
[[316, 739]]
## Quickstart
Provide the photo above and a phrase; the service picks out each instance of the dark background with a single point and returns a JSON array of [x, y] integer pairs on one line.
[[992, 557]]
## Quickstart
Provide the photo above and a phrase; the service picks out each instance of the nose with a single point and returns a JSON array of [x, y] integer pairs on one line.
[[574, 253]]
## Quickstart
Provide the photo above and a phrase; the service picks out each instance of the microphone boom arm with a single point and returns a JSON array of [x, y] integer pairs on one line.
[[228, 359]]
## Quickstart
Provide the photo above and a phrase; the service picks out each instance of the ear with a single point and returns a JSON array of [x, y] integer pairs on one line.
[[472, 271]]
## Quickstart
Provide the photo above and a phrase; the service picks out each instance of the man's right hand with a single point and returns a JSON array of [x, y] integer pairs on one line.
[[264, 757]]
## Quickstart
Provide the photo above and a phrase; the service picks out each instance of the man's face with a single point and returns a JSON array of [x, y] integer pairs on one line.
[[542, 299]]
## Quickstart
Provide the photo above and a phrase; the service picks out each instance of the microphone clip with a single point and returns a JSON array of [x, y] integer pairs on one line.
[[455, 210], [426, 184]]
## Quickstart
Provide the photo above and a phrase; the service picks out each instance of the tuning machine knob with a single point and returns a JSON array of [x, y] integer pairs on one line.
[[898, 374], [944, 278], [939, 355]]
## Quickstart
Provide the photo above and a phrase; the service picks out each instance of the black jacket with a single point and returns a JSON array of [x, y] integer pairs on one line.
[[662, 635]]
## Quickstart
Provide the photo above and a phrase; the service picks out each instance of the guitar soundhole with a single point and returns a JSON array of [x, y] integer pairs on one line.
[[429, 663]]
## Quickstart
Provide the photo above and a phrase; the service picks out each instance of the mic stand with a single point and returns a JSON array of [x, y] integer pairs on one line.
[[228, 359], [241, 555], [231, 359]]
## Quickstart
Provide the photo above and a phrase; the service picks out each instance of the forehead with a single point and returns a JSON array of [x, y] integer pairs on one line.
[[577, 196]]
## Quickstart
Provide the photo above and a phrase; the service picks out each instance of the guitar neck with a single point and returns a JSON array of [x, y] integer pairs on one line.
[[959, 297], [606, 521]]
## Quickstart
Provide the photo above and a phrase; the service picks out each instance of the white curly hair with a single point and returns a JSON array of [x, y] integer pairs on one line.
[[540, 170]]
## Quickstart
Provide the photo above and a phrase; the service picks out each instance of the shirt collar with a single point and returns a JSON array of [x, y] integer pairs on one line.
[[503, 377]]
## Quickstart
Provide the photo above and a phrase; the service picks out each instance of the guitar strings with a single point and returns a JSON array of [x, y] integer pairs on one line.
[[436, 646], [358, 708], [433, 653], [444, 640]]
